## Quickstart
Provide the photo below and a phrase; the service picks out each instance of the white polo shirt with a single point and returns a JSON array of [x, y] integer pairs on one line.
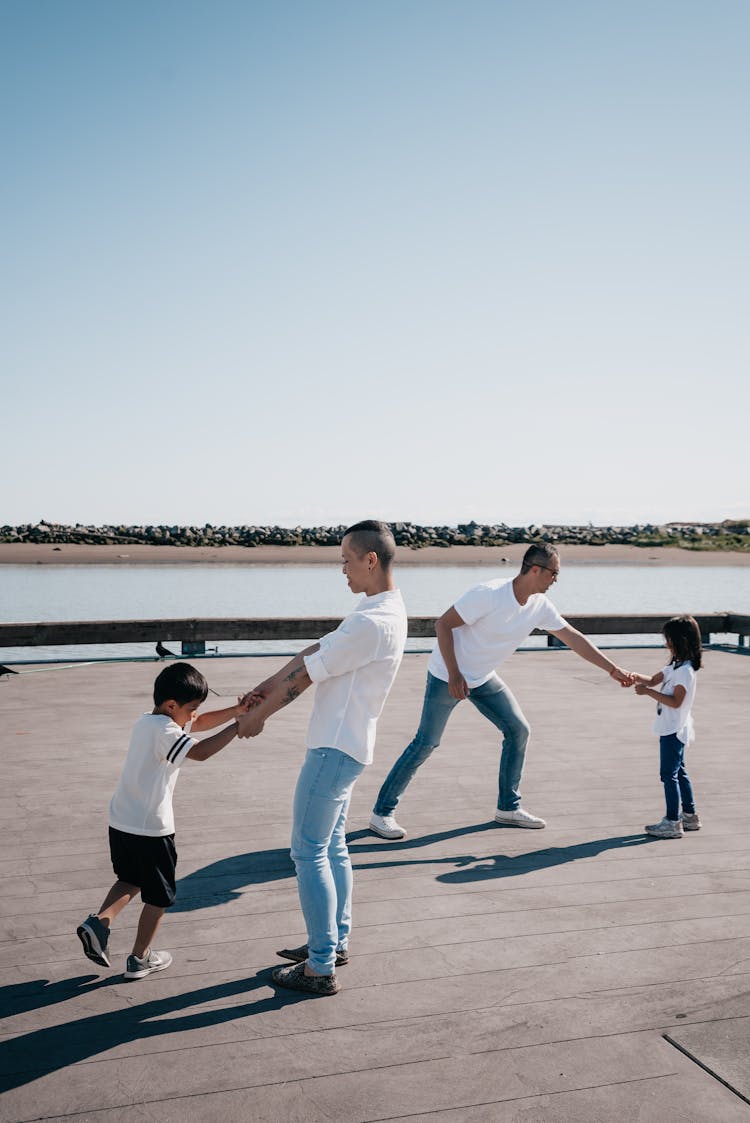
[[494, 625], [142, 803], [353, 671]]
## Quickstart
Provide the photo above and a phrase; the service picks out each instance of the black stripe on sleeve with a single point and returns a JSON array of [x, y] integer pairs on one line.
[[179, 744]]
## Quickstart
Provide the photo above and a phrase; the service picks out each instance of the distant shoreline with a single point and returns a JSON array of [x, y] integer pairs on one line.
[[26, 553]]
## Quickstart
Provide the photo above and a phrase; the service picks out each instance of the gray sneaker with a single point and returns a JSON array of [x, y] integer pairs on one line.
[[666, 828], [137, 968], [691, 822], [519, 818], [94, 936], [386, 826]]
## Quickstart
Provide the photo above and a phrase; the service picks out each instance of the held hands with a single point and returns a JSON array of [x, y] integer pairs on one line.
[[625, 678], [250, 724], [640, 682], [252, 699], [631, 678], [246, 701]]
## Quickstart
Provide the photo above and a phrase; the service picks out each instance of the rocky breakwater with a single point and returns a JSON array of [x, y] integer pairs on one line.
[[730, 534]]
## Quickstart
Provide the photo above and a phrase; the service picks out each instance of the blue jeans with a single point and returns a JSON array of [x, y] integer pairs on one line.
[[319, 852], [494, 700], [674, 777]]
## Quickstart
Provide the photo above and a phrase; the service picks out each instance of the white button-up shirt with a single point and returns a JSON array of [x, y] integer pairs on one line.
[[353, 671]]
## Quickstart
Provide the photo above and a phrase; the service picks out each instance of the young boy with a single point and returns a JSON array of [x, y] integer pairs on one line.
[[141, 820]]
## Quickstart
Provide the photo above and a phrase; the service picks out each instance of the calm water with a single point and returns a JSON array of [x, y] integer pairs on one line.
[[94, 592]]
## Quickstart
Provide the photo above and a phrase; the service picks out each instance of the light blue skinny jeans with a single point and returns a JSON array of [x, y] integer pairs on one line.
[[320, 855], [494, 700]]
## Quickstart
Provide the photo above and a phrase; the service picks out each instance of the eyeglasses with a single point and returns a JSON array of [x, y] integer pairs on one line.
[[556, 572]]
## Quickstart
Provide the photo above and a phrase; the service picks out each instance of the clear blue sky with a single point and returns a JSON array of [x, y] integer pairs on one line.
[[306, 262]]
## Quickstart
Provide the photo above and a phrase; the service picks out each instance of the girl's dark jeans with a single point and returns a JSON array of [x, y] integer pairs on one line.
[[675, 779]]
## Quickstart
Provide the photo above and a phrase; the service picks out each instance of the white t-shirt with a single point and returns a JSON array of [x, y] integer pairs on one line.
[[353, 671], [494, 625], [679, 721], [142, 803]]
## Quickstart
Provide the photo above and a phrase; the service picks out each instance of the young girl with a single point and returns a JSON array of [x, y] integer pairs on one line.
[[674, 723]]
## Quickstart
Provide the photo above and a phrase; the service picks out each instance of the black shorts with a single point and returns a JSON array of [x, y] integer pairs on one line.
[[148, 862]]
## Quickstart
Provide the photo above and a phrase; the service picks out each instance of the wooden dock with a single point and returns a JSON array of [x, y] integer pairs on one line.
[[582, 973]]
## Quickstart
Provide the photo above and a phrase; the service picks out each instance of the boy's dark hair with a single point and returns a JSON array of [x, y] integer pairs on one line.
[[181, 683], [539, 553], [373, 535], [684, 638]]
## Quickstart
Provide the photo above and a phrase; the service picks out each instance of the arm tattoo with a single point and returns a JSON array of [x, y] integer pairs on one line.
[[292, 691]]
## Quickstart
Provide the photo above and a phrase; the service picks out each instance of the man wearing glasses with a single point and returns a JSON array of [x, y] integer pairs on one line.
[[475, 636]]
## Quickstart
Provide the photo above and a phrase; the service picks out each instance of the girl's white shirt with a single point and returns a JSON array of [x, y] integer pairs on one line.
[[680, 721]]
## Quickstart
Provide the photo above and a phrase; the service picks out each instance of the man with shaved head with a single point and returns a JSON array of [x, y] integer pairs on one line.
[[353, 668]]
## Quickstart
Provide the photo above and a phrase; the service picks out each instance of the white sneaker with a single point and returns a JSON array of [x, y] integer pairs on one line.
[[519, 818], [666, 828], [386, 826]]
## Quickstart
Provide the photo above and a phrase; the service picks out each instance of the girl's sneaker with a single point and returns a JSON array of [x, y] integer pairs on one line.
[[691, 822], [667, 828]]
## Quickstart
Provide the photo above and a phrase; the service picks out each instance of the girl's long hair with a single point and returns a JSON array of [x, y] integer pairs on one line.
[[684, 637]]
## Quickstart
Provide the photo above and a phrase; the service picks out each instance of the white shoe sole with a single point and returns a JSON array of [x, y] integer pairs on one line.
[[389, 836], [520, 823], [146, 971], [92, 949]]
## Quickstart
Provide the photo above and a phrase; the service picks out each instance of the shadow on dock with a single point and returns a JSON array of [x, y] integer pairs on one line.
[[226, 879], [31, 1055]]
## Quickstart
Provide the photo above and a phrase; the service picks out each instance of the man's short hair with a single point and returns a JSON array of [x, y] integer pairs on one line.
[[539, 553], [374, 536], [180, 683]]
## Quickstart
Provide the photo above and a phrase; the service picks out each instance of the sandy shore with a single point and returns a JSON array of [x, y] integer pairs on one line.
[[12, 553]]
